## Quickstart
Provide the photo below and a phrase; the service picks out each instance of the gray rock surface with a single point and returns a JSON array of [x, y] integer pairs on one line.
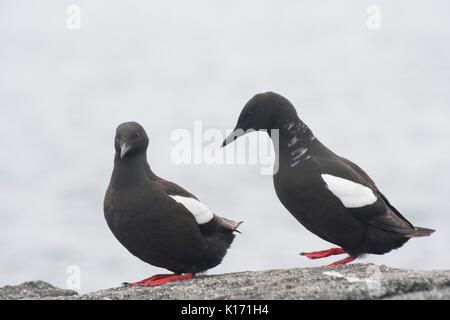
[[33, 290], [353, 281]]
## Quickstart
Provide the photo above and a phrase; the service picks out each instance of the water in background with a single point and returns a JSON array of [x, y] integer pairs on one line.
[[378, 97]]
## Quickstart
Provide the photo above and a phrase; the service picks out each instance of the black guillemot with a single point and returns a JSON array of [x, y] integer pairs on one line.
[[158, 221], [329, 195]]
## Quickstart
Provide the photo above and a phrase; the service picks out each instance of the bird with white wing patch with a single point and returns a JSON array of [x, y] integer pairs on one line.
[[158, 221], [328, 194]]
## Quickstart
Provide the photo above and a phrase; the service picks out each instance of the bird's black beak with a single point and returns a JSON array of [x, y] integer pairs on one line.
[[233, 136], [124, 148]]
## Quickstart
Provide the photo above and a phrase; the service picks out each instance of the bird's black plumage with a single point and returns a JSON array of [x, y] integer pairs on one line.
[[358, 226], [141, 212]]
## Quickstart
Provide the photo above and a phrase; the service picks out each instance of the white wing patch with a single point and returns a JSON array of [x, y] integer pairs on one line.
[[200, 212], [351, 194]]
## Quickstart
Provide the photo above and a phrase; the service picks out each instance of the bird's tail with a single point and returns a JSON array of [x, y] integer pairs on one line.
[[420, 232], [229, 224]]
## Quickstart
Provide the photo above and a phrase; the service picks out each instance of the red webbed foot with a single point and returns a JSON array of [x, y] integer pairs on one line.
[[328, 253], [343, 261], [158, 279], [323, 253]]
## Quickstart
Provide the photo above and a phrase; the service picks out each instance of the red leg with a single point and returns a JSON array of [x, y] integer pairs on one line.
[[152, 278], [158, 279], [323, 253], [172, 278], [343, 261]]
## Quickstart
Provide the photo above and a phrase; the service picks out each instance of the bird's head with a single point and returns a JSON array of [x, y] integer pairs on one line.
[[264, 111], [130, 140]]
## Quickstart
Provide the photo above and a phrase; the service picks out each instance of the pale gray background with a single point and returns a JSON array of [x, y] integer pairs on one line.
[[380, 98]]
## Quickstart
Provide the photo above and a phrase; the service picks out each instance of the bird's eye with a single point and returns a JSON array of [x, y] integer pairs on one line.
[[136, 134], [248, 114]]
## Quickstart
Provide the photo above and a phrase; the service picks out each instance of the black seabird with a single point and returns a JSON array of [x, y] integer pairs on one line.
[[158, 221], [329, 195]]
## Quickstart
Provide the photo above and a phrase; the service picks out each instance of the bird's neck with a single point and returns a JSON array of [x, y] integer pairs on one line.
[[131, 169], [293, 143]]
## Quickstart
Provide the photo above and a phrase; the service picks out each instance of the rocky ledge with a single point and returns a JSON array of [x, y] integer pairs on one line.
[[353, 281]]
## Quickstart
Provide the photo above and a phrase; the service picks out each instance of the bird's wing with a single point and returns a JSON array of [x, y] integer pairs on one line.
[[202, 214], [393, 220], [358, 192], [199, 211], [394, 217]]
